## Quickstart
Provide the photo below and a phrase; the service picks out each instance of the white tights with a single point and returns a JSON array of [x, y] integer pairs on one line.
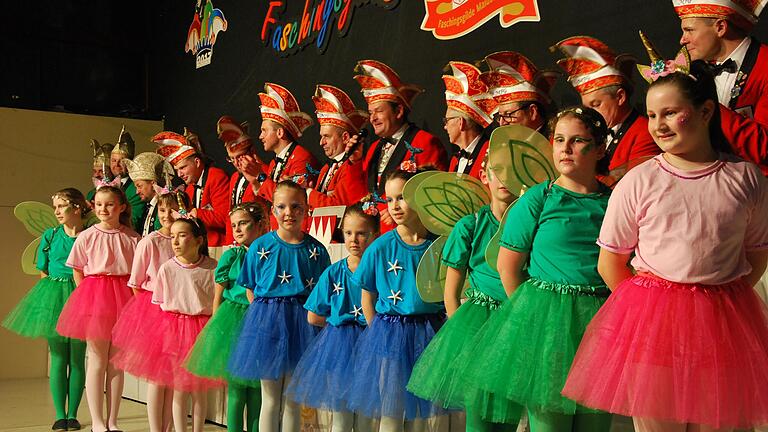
[[273, 403], [345, 421], [199, 409], [391, 424]]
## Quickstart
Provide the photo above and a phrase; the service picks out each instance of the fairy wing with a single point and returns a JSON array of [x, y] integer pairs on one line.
[[29, 257], [36, 217], [492, 250], [520, 157], [442, 198]]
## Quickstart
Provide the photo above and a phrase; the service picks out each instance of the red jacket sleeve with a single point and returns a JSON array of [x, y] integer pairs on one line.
[[348, 186], [215, 195], [748, 137]]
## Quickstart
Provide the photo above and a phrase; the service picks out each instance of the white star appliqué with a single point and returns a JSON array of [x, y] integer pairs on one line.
[[337, 288], [313, 254], [395, 297], [263, 254], [310, 283], [357, 311], [285, 277], [393, 267]]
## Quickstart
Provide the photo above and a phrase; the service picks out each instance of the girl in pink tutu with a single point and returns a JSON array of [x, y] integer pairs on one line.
[[682, 345], [184, 289], [101, 262], [133, 325]]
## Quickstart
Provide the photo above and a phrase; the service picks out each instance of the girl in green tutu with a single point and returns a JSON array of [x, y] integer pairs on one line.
[[38, 312], [208, 357], [524, 351], [464, 256]]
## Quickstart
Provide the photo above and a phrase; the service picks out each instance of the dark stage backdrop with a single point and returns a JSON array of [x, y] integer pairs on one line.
[[241, 63]]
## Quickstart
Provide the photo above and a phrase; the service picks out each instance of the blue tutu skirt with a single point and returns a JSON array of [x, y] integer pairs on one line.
[[384, 357], [275, 334], [321, 379]]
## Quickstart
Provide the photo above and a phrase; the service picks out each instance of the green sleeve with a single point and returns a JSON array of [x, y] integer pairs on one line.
[[458, 247], [523, 219], [221, 275], [44, 249]]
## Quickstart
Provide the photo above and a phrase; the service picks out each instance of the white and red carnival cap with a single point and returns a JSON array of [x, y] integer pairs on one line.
[[466, 93], [335, 108], [233, 134], [173, 147], [514, 78], [279, 106], [380, 83], [742, 13], [591, 65]]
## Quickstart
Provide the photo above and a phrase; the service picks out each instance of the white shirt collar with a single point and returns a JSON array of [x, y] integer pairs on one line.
[[740, 52], [284, 152], [338, 157], [200, 180], [471, 147], [397, 136]]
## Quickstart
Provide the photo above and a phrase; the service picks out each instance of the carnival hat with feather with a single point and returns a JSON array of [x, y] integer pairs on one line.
[[233, 134], [592, 65], [334, 107], [466, 93], [513, 78], [742, 13], [173, 147], [279, 106], [380, 83]]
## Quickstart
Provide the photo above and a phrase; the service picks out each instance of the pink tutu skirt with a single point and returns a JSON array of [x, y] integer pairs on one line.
[[157, 355], [685, 353], [92, 309], [135, 320]]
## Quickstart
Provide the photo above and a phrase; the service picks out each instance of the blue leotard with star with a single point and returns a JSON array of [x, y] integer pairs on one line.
[[275, 268], [388, 268], [336, 297]]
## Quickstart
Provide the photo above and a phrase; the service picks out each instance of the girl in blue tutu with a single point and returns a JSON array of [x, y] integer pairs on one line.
[[279, 271], [37, 313], [400, 324], [213, 347], [321, 379]]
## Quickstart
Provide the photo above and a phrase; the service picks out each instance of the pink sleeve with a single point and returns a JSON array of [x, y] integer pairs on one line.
[[139, 266], [756, 237], [77, 258], [158, 295], [618, 233]]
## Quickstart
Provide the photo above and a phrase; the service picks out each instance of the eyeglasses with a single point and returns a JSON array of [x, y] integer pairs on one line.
[[447, 119], [509, 115], [232, 160]]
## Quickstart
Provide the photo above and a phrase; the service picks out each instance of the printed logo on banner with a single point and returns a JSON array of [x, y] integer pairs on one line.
[[450, 19], [201, 37], [314, 25]]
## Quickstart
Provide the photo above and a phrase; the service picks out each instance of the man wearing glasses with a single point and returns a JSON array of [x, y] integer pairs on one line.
[[469, 110], [602, 79], [241, 153]]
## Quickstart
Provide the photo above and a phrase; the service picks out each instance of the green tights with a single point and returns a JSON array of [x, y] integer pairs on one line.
[[476, 424], [67, 375], [542, 421], [239, 398]]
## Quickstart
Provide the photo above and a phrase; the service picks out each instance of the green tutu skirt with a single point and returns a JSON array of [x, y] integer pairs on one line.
[[434, 374], [209, 355], [38, 312], [523, 353]]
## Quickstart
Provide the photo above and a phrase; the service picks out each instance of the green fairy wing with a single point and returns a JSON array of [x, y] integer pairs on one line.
[[29, 257], [492, 250], [430, 275], [36, 217], [520, 158], [442, 198]]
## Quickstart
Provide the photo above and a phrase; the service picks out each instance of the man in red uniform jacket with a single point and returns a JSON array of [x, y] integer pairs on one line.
[[241, 153], [718, 32], [342, 180], [469, 111], [602, 79], [401, 145], [207, 186]]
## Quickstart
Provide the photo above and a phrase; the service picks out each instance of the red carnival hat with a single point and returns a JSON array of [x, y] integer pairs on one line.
[[591, 65], [381, 83], [514, 78], [279, 105], [173, 147], [233, 134], [466, 93], [335, 108], [742, 13]]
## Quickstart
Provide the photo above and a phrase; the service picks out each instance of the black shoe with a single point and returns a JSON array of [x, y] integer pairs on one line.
[[59, 425], [73, 425]]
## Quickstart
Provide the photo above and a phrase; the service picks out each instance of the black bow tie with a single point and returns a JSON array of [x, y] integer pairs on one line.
[[279, 160], [463, 154], [726, 66]]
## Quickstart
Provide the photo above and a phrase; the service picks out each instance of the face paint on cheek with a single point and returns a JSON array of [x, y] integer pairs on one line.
[[683, 119], [277, 212], [587, 148]]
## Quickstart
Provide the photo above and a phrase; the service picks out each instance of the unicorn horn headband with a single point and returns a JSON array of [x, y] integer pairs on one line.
[[660, 67]]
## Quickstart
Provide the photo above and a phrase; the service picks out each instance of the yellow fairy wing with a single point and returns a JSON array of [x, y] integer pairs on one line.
[[36, 217], [29, 258]]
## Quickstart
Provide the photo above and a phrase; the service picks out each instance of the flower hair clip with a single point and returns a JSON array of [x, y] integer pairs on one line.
[[66, 200], [167, 189], [369, 203], [660, 67], [99, 183]]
